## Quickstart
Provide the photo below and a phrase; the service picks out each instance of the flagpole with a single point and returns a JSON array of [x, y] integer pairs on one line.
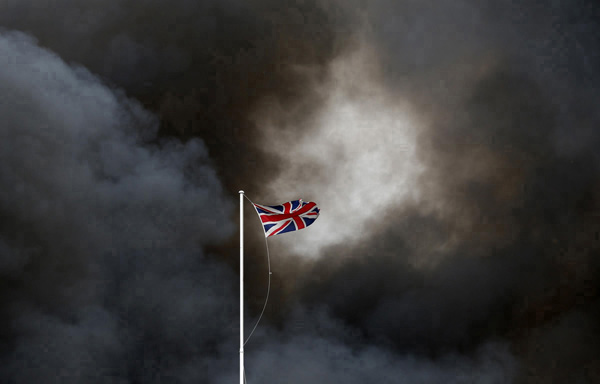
[[241, 287]]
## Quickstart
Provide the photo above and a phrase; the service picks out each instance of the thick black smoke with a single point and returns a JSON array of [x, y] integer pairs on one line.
[[201, 65], [113, 165], [509, 130]]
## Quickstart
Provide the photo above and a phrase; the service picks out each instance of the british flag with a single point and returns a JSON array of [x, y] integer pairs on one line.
[[287, 217]]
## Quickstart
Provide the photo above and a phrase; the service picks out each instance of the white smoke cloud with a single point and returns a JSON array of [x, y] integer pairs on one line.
[[355, 157]]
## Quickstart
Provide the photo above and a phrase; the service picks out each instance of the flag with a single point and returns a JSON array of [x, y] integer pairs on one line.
[[287, 217]]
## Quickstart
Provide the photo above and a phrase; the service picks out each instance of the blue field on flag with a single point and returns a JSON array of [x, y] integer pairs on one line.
[[287, 217]]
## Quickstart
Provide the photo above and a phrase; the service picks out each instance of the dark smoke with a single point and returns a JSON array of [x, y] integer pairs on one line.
[[128, 127], [201, 65], [100, 233]]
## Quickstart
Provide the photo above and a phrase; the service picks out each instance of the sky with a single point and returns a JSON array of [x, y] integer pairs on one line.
[[451, 147]]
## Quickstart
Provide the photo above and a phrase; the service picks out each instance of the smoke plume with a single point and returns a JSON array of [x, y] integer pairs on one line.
[[450, 147]]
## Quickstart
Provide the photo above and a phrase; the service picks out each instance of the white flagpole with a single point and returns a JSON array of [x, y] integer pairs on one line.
[[241, 287]]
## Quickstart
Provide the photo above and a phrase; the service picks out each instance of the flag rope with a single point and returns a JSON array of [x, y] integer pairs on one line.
[[269, 282]]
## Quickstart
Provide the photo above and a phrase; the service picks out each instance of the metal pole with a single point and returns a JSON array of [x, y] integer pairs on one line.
[[241, 287]]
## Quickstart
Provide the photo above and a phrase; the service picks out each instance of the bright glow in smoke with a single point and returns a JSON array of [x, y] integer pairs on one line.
[[356, 158]]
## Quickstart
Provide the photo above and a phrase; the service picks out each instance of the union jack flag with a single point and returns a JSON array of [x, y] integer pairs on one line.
[[287, 217]]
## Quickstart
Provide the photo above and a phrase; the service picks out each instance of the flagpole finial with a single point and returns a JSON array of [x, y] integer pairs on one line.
[[242, 192]]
